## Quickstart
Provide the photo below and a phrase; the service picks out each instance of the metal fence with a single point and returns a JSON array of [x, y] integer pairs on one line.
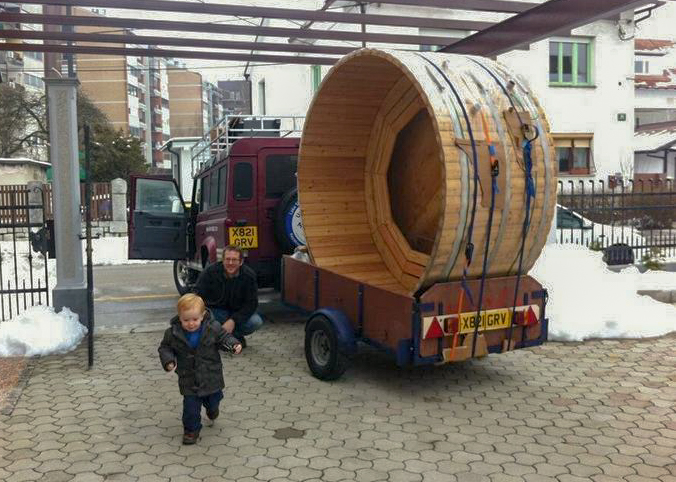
[[628, 221], [24, 276]]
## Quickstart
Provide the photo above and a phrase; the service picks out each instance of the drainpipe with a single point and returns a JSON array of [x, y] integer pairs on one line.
[[179, 176]]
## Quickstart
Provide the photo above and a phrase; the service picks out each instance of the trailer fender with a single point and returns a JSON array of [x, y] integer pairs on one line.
[[342, 326]]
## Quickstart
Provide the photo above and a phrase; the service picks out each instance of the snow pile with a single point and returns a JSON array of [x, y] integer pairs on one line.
[[41, 331], [587, 300], [112, 250]]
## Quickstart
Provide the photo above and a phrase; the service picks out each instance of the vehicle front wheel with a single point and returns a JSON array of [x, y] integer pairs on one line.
[[184, 277], [322, 350]]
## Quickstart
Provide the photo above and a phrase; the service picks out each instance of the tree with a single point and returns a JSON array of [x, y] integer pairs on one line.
[[89, 114], [22, 117], [115, 154]]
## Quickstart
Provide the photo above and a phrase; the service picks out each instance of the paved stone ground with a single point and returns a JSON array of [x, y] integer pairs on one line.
[[601, 411]]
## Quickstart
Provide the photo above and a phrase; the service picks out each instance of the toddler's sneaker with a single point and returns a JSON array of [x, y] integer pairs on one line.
[[190, 438]]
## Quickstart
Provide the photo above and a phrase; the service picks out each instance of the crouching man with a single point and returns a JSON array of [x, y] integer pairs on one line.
[[230, 291]]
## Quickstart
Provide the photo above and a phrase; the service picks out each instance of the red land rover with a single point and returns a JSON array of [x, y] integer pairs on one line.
[[247, 198]]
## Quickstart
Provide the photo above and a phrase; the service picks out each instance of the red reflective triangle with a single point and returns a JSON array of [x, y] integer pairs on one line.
[[531, 318], [434, 331]]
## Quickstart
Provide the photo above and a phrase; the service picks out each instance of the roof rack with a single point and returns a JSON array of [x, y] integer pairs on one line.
[[216, 144]]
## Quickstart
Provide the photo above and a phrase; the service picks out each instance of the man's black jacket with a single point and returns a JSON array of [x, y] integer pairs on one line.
[[237, 295]]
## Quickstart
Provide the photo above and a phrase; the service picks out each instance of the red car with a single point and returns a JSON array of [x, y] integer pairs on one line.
[[247, 198]]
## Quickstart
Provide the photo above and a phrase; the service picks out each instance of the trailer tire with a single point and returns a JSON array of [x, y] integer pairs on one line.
[[322, 349], [184, 277], [288, 226]]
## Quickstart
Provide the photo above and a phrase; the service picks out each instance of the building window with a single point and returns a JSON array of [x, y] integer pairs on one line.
[[316, 72], [641, 67], [574, 154], [570, 63], [35, 55], [33, 81]]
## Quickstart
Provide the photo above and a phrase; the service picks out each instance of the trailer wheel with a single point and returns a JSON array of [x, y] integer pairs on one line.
[[322, 350], [184, 277]]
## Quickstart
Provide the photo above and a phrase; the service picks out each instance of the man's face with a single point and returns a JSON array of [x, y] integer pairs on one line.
[[232, 262], [191, 319]]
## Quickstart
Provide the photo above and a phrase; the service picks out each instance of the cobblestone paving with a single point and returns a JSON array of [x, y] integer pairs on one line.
[[601, 411]]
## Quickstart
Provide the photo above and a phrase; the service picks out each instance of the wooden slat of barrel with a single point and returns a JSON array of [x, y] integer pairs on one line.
[[373, 101]]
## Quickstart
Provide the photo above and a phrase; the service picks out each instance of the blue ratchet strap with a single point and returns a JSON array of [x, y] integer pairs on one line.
[[530, 190], [469, 247], [495, 171], [530, 194]]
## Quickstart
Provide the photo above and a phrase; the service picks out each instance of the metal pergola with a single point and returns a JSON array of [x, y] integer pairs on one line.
[[528, 23]]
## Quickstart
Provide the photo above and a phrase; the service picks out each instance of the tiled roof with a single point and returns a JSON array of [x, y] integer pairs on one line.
[[647, 45], [651, 81], [655, 137]]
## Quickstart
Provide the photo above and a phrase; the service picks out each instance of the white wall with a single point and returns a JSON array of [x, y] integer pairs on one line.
[[21, 173], [660, 24], [588, 109], [288, 89]]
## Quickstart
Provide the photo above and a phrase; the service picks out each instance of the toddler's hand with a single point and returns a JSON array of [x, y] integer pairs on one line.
[[237, 348], [170, 367]]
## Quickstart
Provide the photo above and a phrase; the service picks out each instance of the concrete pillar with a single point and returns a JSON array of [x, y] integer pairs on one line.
[[35, 190], [70, 290], [118, 189]]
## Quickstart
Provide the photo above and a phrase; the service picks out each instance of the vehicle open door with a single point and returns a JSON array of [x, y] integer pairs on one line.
[[158, 219]]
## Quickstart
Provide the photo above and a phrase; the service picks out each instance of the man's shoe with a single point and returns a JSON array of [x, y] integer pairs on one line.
[[190, 438], [212, 415], [242, 340]]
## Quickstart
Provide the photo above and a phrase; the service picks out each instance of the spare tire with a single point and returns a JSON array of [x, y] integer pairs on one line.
[[289, 223]]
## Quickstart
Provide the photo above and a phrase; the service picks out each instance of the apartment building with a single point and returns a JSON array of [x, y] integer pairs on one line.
[[196, 105], [24, 70], [131, 91], [236, 96]]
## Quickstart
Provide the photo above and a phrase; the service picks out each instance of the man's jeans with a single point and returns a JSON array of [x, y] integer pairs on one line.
[[192, 409], [241, 329]]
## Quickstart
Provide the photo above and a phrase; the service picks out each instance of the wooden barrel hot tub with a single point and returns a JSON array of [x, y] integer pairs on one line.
[[386, 169]]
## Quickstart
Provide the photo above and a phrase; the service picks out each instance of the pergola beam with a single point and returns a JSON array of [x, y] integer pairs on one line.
[[502, 6], [276, 13], [134, 23], [545, 20], [173, 41], [166, 53]]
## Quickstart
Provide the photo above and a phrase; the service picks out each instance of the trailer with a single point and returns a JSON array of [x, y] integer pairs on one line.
[[429, 328]]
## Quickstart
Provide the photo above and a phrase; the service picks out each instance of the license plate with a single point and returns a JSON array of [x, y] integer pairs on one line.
[[246, 237], [443, 325]]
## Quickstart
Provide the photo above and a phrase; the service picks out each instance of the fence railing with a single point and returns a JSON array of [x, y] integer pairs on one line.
[[12, 195], [627, 220], [101, 205]]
